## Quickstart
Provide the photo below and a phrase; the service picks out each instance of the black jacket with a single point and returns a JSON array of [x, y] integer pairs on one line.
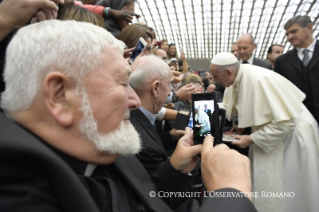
[[289, 65], [37, 177]]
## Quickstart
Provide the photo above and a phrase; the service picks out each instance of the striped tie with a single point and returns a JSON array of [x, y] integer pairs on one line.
[[306, 57]]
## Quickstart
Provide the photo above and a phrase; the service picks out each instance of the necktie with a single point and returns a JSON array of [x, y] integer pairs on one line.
[[245, 62], [306, 57]]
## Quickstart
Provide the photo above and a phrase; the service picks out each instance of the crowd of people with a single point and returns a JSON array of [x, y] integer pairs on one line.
[[85, 128]]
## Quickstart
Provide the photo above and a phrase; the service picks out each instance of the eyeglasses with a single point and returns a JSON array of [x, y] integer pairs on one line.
[[197, 84]]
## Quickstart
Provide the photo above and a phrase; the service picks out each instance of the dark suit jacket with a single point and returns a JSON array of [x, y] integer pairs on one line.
[[261, 63], [37, 177], [209, 112], [289, 66], [154, 157]]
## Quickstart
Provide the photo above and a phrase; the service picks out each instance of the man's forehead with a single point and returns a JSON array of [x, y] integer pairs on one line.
[[293, 27]]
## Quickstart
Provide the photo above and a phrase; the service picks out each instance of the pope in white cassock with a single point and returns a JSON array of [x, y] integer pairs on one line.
[[202, 121], [284, 145]]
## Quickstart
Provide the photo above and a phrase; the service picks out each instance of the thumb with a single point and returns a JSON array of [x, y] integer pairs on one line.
[[208, 144]]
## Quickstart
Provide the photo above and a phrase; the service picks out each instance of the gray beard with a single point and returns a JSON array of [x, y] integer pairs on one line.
[[124, 140]]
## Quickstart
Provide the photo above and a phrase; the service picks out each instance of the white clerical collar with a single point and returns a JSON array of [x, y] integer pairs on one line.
[[250, 60]]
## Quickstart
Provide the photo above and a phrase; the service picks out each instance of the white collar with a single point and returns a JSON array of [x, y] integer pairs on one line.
[[250, 60], [311, 47]]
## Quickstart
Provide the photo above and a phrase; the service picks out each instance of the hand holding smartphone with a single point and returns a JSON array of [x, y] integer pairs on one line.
[[140, 46], [205, 117]]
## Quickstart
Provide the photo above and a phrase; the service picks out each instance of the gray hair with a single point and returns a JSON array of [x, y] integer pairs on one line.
[[235, 67], [149, 69], [71, 47], [301, 20]]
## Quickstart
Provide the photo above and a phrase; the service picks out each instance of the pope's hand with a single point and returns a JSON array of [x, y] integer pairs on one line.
[[243, 141]]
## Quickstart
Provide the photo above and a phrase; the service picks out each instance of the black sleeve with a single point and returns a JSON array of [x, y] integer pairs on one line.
[[167, 140]]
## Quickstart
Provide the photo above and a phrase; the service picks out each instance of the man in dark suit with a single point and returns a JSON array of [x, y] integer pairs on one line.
[[301, 64], [245, 47], [66, 125], [208, 111], [274, 51]]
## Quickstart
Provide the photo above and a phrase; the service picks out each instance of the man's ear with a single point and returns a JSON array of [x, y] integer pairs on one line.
[[58, 91], [309, 28], [154, 88], [229, 72], [255, 45]]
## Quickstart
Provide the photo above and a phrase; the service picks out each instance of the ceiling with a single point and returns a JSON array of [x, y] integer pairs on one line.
[[204, 28]]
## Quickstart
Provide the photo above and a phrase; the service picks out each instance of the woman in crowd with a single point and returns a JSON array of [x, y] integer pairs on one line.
[[171, 52], [132, 33], [164, 45]]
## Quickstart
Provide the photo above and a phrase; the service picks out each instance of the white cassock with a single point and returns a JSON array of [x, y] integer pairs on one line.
[[285, 153], [203, 119]]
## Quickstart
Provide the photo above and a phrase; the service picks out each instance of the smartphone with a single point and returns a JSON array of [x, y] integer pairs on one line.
[[182, 118], [139, 47], [181, 50], [205, 117]]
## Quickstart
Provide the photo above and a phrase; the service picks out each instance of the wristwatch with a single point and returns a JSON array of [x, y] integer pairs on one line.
[[174, 98]]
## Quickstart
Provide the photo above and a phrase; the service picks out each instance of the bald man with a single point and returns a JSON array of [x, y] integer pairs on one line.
[[245, 47], [161, 54]]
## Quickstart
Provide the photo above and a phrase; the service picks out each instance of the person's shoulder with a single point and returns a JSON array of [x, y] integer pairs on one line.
[[262, 63]]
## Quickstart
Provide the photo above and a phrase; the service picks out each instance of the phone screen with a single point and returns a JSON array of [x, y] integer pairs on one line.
[[138, 50], [205, 117]]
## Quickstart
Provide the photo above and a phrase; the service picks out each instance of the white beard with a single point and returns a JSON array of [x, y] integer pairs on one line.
[[124, 140]]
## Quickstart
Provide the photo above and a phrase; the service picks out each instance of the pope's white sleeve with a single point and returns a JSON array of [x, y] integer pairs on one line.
[[269, 135], [222, 105], [160, 115]]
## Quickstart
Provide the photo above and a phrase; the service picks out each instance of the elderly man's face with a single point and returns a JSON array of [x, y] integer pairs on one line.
[[226, 78], [106, 103], [163, 90], [162, 54], [211, 88], [245, 48]]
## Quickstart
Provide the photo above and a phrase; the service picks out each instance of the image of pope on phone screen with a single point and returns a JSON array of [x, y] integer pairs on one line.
[[201, 119]]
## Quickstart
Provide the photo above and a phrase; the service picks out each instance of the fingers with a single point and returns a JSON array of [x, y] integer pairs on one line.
[[58, 1], [40, 16], [47, 4], [208, 144], [180, 132], [187, 129], [188, 134]]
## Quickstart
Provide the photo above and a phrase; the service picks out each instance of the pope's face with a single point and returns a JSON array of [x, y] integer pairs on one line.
[[226, 77]]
